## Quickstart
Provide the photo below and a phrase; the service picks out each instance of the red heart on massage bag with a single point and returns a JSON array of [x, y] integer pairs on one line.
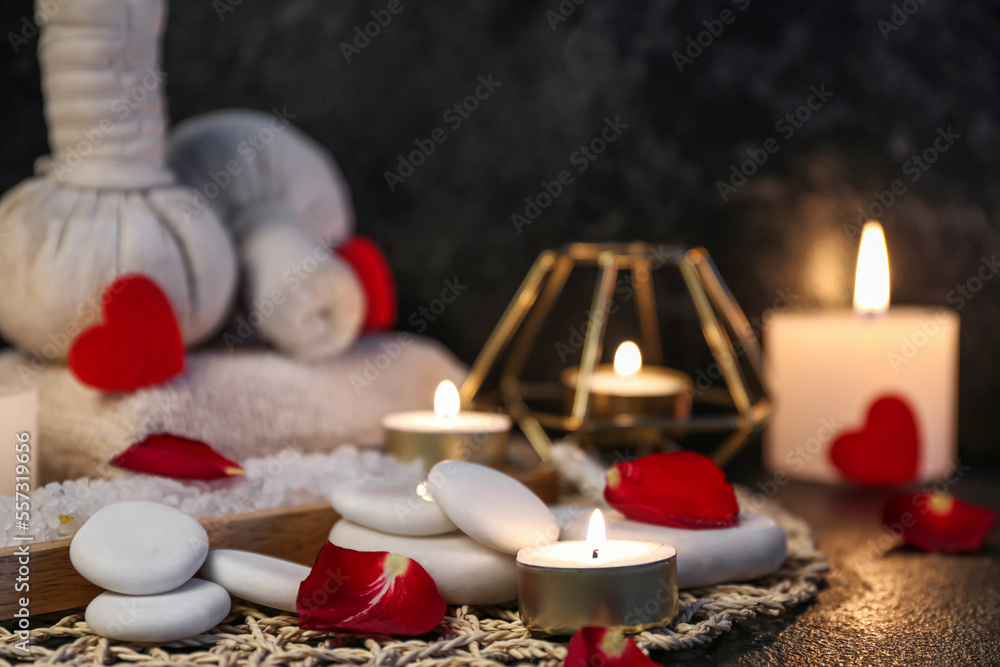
[[885, 451], [139, 343], [372, 269]]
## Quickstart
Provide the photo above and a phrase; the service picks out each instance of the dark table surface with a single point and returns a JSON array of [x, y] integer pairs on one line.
[[895, 607]]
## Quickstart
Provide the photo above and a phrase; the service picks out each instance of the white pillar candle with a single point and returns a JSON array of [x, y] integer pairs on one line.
[[869, 396], [18, 428]]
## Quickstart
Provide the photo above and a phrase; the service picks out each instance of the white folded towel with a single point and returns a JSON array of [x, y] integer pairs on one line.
[[251, 402]]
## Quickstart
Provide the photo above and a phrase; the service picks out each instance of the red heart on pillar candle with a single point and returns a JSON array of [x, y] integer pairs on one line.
[[885, 451], [138, 345]]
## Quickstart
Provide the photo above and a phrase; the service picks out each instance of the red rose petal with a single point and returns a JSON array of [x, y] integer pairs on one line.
[[373, 271], [679, 489], [938, 521], [138, 345], [368, 591], [602, 647], [171, 455]]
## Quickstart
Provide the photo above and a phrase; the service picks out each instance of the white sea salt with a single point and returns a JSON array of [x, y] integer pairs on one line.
[[285, 479]]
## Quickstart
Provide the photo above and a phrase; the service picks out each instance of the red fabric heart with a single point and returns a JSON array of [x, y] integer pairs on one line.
[[169, 455], [372, 269], [885, 451], [138, 345]]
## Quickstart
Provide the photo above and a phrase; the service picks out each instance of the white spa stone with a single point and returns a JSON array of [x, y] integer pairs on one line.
[[139, 548], [394, 507], [465, 571], [704, 557], [492, 508], [192, 609], [262, 579]]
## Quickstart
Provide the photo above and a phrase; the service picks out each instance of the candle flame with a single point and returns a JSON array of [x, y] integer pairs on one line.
[[628, 359], [446, 400], [423, 493], [871, 282], [597, 536]]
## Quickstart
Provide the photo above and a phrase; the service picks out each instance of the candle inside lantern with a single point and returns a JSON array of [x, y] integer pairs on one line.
[[628, 387], [868, 396], [622, 584], [447, 432]]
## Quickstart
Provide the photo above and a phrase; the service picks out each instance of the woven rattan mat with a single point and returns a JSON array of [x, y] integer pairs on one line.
[[253, 636]]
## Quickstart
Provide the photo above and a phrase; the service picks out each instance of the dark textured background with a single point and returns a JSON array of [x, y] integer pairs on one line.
[[783, 230]]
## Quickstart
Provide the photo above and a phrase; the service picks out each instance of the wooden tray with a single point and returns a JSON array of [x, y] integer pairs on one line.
[[292, 533]]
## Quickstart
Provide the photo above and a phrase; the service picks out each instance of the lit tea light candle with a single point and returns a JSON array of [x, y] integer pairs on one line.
[[622, 584], [447, 432], [868, 396], [628, 387]]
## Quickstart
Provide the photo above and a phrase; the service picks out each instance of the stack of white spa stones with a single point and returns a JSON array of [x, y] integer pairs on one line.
[[146, 555], [464, 525]]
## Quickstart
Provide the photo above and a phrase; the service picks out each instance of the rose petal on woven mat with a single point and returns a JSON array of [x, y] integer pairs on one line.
[[169, 455], [938, 521], [678, 489], [370, 592], [139, 344], [603, 647]]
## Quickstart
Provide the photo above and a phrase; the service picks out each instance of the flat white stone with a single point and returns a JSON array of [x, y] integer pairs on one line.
[[139, 548], [465, 571], [262, 579], [192, 609], [492, 508], [394, 507], [704, 557]]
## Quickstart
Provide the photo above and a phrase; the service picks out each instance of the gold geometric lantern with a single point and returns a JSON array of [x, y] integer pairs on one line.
[[502, 377]]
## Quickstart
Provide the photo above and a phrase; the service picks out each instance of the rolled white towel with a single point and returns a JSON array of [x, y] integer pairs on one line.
[[287, 204]]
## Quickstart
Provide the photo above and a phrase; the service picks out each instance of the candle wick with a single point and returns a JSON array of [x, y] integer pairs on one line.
[[595, 554]]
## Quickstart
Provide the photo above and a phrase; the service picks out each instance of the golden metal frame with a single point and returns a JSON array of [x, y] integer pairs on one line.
[[717, 311]]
